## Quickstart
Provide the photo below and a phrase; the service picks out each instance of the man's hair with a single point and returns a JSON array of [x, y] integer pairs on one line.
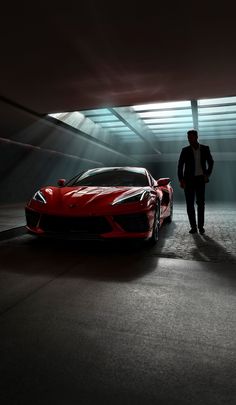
[[192, 132]]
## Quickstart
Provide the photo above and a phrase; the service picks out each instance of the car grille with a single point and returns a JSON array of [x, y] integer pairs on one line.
[[91, 225], [133, 222], [32, 218]]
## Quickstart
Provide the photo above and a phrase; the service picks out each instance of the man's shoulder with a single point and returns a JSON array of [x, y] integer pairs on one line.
[[186, 148], [204, 147]]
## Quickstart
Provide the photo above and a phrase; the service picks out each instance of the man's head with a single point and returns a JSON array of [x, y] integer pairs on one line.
[[193, 137]]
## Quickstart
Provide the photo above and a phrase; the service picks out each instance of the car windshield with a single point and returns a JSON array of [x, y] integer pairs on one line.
[[111, 178]]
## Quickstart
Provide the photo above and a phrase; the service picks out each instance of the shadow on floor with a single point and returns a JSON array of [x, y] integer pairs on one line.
[[111, 260], [207, 249]]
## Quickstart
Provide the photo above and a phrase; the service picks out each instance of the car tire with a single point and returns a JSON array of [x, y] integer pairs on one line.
[[169, 218], [156, 226]]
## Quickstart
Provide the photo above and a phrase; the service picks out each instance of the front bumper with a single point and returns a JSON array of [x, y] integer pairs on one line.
[[135, 225]]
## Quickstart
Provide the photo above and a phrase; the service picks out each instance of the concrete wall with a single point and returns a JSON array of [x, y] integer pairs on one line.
[[35, 152], [222, 185]]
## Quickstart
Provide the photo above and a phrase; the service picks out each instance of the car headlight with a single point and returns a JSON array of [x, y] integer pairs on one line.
[[140, 196], [38, 196]]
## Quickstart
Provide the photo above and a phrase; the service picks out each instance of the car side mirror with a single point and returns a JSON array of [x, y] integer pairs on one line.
[[163, 181], [61, 182]]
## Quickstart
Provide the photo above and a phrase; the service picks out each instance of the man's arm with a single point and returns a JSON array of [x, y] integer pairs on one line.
[[180, 169], [210, 161]]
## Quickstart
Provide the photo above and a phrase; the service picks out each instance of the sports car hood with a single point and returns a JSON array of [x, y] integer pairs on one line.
[[85, 198]]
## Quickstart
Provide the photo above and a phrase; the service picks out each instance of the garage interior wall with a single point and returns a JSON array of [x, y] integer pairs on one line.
[[35, 152]]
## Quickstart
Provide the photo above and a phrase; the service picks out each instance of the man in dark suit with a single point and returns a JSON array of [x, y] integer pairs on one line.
[[194, 168]]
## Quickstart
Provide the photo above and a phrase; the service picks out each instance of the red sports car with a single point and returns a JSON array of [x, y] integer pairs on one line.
[[102, 203]]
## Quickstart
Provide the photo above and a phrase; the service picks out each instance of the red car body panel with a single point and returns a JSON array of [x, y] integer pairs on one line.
[[95, 212]]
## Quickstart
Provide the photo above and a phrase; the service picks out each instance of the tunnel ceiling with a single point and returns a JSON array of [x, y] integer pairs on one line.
[[94, 54], [150, 125]]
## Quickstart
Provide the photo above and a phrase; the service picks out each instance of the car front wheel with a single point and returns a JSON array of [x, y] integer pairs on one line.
[[156, 226], [169, 218]]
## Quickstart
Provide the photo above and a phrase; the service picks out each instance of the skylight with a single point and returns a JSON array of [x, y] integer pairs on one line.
[[160, 121]]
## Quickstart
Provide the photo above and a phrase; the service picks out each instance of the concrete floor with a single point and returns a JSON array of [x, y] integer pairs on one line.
[[119, 323]]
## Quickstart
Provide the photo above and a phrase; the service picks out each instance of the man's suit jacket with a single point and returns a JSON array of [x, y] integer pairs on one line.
[[186, 164]]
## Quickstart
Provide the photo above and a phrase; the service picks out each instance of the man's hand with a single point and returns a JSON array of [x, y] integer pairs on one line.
[[206, 178], [182, 183]]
